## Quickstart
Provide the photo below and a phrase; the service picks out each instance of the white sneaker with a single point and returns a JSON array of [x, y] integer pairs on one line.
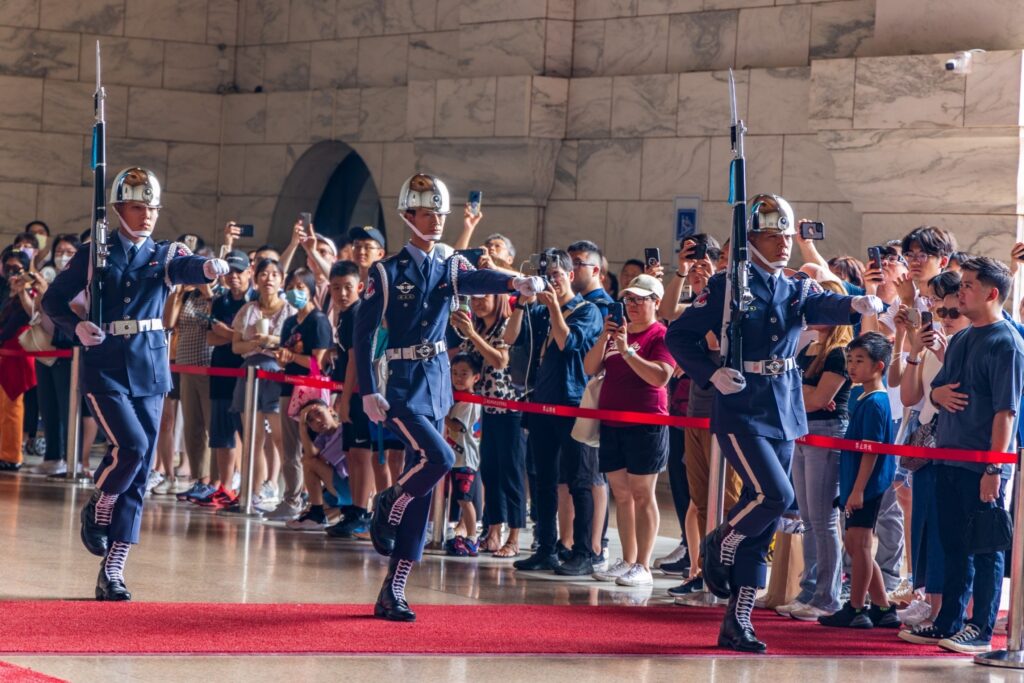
[[903, 594], [809, 613], [180, 485], [236, 481], [601, 561], [283, 513], [677, 554], [637, 575], [268, 491], [165, 487], [789, 607], [611, 573], [305, 525], [50, 468], [153, 480], [915, 614]]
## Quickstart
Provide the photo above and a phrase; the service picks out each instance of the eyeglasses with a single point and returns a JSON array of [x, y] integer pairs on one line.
[[916, 256], [635, 300], [951, 313], [580, 264]]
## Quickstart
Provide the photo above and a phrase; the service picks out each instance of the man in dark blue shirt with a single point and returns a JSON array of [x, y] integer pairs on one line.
[[978, 393], [570, 327], [586, 267]]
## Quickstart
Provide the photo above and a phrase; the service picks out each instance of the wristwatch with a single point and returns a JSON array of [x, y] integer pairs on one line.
[[993, 469], [631, 352]]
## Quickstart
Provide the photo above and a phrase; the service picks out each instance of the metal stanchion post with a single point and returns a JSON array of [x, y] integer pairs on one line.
[[1013, 656], [74, 438], [716, 503], [250, 423], [439, 515]]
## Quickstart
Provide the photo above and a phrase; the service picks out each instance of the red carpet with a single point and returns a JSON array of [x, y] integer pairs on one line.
[[10, 673], [87, 627]]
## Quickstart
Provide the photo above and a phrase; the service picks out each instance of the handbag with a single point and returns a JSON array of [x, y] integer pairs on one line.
[[924, 437], [36, 337], [587, 430], [988, 530], [303, 395]]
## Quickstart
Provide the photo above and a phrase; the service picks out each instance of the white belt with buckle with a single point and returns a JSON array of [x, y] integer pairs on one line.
[[424, 351], [776, 366], [126, 328]]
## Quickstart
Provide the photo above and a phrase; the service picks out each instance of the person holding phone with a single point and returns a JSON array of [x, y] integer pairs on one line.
[[637, 367]]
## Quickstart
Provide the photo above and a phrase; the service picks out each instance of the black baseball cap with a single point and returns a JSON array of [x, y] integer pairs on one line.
[[367, 232], [237, 260]]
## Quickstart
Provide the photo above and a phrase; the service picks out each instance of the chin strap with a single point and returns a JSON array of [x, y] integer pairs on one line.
[[775, 265], [137, 234], [429, 238]]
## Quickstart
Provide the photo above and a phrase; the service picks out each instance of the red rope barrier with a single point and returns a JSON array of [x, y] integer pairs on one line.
[[56, 353]]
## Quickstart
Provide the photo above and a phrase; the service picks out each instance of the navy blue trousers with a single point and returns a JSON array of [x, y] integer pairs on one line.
[[428, 458], [763, 465], [131, 424]]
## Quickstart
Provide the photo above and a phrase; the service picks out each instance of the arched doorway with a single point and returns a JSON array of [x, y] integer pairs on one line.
[[332, 182]]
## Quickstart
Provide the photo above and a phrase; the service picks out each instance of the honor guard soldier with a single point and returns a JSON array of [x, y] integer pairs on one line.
[[758, 413], [406, 305], [124, 367]]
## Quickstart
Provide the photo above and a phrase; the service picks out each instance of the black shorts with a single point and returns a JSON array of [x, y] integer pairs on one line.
[[462, 484], [577, 465], [357, 433], [865, 517], [175, 392], [638, 449]]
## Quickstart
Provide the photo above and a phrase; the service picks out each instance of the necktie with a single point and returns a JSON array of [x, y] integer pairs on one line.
[[426, 269], [771, 283], [132, 252]]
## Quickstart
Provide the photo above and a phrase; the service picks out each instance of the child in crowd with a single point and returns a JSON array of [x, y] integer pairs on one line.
[[323, 464], [462, 431], [863, 478]]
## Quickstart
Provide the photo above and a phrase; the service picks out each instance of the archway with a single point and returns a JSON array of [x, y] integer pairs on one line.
[[332, 182]]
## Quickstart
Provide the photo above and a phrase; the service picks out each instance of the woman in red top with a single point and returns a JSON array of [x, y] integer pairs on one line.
[[637, 367]]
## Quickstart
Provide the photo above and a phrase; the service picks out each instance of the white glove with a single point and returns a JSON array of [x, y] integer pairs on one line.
[[215, 267], [376, 407], [729, 381], [89, 334], [529, 286], [867, 305]]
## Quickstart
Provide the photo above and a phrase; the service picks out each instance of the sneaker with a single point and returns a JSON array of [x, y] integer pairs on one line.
[[810, 613], [472, 547], [923, 635], [903, 594], [564, 554], [50, 468], [884, 618], [637, 575], [456, 547], [694, 585], [183, 495], [268, 491], [677, 554], [8, 466], [236, 481], [848, 617], [305, 523], [580, 564], [678, 568], [180, 485], [282, 513], [221, 498], [968, 640], [153, 479], [164, 487], [613, 572], [916, 613], [844, 590], [784, 610], [203, 492], [601, 561]]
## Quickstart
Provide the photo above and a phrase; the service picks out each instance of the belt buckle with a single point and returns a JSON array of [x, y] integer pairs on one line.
[[774, 367], [424, 351], [125, 327]]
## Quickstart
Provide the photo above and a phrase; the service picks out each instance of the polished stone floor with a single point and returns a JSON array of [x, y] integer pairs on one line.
[[193, 555]]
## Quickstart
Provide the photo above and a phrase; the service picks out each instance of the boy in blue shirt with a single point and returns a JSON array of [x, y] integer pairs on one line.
[[863, 479]]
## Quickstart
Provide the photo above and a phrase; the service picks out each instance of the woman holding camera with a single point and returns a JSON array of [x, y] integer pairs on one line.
[[17, 374], [638, 366]]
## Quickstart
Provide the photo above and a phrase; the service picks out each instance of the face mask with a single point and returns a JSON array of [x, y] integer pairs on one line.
[[42, 240], [62, 261], [429, 238], [774, 265], [297, 297], [30, 251], [139, 234]]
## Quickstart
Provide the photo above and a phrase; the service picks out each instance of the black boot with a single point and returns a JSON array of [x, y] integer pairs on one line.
[[352, 519], [110, 590], [391, 604], [737, 633], [94, 536], [382, 532], [715, 573]]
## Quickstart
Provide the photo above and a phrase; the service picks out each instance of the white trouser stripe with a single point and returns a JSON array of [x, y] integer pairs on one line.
[[749, 507], [98, 414], [416, 447]]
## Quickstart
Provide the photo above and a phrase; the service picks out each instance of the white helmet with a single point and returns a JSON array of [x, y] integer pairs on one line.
[[136, 184], [423, 191], [770, 213]]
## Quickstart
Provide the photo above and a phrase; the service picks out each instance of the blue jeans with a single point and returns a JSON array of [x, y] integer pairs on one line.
[[816, 481], [958, 488]]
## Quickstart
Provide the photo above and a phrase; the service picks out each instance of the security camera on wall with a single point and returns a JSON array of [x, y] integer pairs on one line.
[[962, 62]]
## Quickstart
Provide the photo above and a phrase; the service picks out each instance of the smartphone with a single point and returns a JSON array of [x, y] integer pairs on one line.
[[914, 317], [652, 256], [699, 251], [471, 255], [926, 320], [875, 257], [812, 230], [464, 304], [246, 229], [539, 263], [474, 201], [617, 312], [307, 222]]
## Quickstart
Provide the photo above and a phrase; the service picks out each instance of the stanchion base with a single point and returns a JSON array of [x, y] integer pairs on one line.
[[699, 600], [1005, 659]]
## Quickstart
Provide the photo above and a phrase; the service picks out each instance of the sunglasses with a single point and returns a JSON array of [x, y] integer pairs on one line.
[[951, 313]]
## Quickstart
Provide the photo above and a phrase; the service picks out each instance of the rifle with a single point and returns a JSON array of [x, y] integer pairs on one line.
[[98, 247], [737, 287]]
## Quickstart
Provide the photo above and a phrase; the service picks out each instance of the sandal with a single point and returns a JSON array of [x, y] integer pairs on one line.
[[510, 549], [487, 547]]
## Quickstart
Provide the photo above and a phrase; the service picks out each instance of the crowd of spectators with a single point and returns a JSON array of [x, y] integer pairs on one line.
[[943, 366]]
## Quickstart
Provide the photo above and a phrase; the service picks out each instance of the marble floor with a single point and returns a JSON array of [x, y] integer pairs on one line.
[[196, 556]]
